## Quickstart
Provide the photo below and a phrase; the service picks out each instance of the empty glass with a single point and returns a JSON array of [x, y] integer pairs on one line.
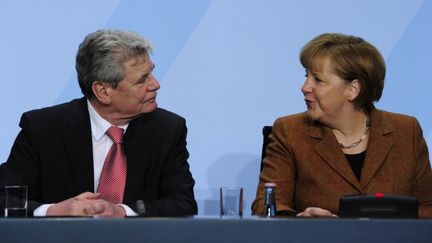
[[15, 201], [231, 201]]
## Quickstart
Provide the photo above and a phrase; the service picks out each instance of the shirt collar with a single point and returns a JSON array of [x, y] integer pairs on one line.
[[98, 124]]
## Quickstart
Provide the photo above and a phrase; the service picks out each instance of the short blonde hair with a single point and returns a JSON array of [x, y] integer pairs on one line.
[[352, 58]]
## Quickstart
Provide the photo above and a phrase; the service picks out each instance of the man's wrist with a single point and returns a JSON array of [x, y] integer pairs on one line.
[[128, 210], [41, 211]]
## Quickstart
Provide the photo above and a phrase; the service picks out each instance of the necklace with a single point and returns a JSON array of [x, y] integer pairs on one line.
[[363, 137]]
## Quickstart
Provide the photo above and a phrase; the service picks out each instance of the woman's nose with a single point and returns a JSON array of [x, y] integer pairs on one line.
[[306, 88]]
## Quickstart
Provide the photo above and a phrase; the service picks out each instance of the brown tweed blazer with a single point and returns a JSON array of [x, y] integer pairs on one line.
[[310, 170]]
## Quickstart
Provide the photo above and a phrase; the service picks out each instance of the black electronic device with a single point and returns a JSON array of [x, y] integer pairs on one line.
[[378, 206]]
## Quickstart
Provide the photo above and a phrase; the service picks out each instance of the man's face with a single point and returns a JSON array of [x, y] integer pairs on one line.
[[136, 92]]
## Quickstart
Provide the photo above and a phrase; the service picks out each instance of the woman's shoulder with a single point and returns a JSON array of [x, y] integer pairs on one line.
[[292, 123], [392, 121], [290, 120], [393, 118]]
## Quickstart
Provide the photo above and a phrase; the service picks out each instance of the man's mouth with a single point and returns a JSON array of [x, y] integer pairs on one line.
[[151, 100]]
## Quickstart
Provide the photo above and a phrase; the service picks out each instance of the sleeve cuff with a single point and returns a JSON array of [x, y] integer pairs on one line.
[[41, 210], [129, 211]]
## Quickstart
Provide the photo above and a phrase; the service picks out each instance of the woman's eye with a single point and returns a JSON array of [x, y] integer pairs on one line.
[[317, 79]]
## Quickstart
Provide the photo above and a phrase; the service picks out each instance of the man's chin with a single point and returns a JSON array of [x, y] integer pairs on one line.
[[150, 107]]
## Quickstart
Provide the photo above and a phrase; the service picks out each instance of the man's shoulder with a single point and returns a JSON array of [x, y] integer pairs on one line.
[[160, 124], [66, 108], [158, 120], [70, 110], [161, 115]]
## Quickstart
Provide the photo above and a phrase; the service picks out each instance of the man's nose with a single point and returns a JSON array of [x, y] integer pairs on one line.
[[154, 83]]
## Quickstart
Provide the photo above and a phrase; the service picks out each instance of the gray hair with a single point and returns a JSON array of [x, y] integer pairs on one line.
[[101, 56]]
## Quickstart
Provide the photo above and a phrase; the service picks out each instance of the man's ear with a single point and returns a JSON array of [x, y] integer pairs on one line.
[[102, 92], [354, 89]]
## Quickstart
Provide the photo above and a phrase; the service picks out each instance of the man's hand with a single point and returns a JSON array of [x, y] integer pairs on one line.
[[86, 204], [107, 209], [316, 212]]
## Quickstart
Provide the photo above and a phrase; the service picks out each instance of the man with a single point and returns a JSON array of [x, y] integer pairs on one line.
[[73, 165]]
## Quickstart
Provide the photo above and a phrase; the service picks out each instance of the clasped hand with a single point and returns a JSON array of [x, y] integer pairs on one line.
[[316, 212], [86, 204]]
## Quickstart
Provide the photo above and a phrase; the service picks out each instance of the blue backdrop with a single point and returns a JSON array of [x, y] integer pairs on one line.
[[229, 67]]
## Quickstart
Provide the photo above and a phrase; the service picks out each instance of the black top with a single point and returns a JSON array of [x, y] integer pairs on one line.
[[356, 162]]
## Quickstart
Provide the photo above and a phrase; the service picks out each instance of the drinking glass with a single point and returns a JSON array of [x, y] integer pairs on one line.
[[15, 201], [231, 201]]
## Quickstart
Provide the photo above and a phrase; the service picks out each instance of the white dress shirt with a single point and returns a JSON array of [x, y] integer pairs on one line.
[[101, 145]]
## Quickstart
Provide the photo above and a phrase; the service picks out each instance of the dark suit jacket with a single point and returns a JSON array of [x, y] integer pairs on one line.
[[309, 168], [53, 155]]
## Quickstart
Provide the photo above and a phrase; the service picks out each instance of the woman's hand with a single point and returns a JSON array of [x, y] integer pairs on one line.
[[316, 212]]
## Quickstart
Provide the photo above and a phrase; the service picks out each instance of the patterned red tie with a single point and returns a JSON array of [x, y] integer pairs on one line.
[[113, 177]]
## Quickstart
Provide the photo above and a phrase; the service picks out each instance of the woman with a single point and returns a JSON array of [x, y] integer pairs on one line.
[[342, 144]]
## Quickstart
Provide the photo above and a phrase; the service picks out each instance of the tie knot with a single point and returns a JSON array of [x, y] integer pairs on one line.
[[116, 134]]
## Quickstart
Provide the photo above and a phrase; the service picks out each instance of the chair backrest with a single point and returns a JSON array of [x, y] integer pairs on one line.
[[266, 131]]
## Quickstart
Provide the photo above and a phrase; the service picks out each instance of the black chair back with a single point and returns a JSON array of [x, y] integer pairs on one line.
[[266, 131]]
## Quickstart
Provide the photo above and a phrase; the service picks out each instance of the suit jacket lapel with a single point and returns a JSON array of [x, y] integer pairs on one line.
[[326, 148], [379, 145], [137, 147], [78, 144]]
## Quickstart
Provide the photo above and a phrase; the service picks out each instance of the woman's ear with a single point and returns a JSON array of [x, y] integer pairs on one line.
[[354, 89], [102, 92]]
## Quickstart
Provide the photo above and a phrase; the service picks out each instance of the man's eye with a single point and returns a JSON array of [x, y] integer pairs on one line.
[[143, 78]]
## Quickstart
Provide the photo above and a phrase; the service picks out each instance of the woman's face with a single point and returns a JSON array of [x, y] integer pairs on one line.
[[326, 94]]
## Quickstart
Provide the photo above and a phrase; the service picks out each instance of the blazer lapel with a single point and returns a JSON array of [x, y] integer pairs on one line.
[[78, 145], [331, 153], [379, 145], [137, 147]]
